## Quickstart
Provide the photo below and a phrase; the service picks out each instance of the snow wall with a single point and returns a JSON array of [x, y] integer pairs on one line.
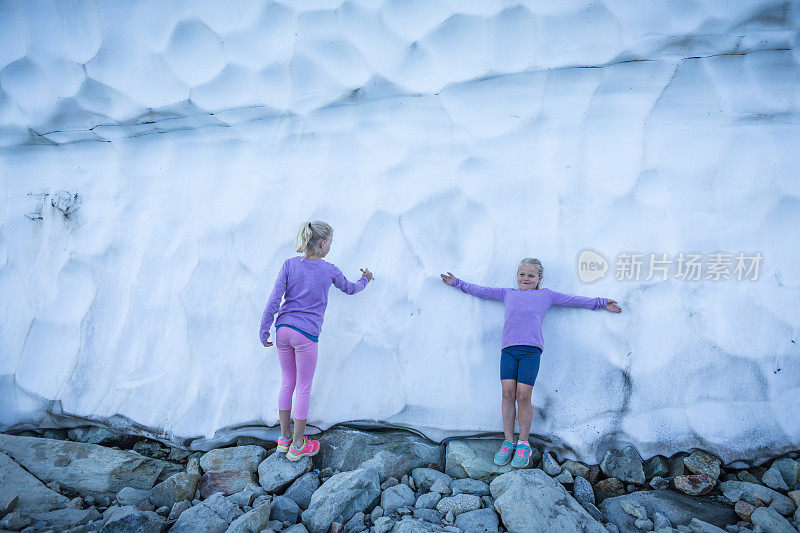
[[157, 157]]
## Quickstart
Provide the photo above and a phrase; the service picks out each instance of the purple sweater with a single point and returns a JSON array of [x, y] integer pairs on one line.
[[525, 310], [303, 283]]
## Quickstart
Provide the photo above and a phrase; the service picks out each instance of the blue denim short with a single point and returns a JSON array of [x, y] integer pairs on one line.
[[520, 363]]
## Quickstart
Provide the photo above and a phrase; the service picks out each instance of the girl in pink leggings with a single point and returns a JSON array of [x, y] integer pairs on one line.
[[303, 283]]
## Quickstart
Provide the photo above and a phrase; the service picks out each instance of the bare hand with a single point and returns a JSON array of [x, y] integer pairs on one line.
[[612, 306], [367, 274], [268, 344], [449, 279]]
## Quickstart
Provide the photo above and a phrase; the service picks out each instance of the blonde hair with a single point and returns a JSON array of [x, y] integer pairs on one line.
[[310, 234], [535, 263]]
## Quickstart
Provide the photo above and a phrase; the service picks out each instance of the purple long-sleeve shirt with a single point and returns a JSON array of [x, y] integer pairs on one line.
[[303, 284], [525, 309]]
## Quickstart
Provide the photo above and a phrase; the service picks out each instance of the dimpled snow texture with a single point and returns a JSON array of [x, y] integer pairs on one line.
[[156, 159]]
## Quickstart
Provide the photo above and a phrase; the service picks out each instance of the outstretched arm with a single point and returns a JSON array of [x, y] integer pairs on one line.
[[345, 286], [569, 300], [273, 304], [487, 293]]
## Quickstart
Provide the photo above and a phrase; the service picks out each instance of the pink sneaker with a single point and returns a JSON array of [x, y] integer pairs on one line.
[[283, 443], [309, 448]]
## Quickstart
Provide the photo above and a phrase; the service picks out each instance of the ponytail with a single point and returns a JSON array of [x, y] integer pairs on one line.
[[310, 234]]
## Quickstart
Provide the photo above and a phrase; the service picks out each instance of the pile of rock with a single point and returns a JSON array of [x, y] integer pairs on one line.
[[91, 479]]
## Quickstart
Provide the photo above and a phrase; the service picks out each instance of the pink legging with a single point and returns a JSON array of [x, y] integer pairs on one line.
[[298, 357]]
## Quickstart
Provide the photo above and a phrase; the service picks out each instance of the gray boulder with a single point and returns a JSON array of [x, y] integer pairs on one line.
[[390, 453], [396, 497], [214, 514], [134, 497], [355, 524], [235, 458], [66, 518], [33, 495], [460, 503], [474, 458], [478, 521], [131, 520], [625, 465], [176, 488], [428, 500], [699, 526], [582, 491], [252, 521], [225, 481], [750, 492], [773, 479], [771, 521], [276, 472], [297, 528], [428, 515], [678, 508], [550, 465], [412, 525], [424, 478], [94, 435], [470, 486], [789, 469], [340, 497], [303, 488], [88, 469], [656, 466], [529, 500], [700, 462], [247, 495], [284, 509]]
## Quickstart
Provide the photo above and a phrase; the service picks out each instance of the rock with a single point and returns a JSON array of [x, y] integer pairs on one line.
[[200, 518], [339, 498], [698, 526], [695, 484], [355, 524], [412, 525], [284, 509], [177, 454], [440, 487], [565, 478], [8, 504], [771, 521], [395, 497], [643, 524], [252, 521], [95, 435], [66, 518], [743, 510], [428, 500], [795, 496], [87, 469], [383, 524], [751, 492], [487, 501], [659, 483], [625, 465], [224, 508], [376, 513], [608, 488], [134, 497], [32, 495], [424, 478], [470, 486], [529, 500], [678, 508], [247, 496], [391, 453], [14, 521], [226, 482], [302, 489], [177, 509], [474, 458], [594, 474], [130, 519], [582, 491], [593, 511], [701, 462], [276, 472], [550, 466], [676, 466], [633, 508], [449, 517], [234, 458], [660, 522], [478, 521], [746, 476], [428, 515], [789, 469], [611, 528], [178, 487], [576, 469], [656, 466], [460, 503], [773, 479], [391, 482], [297, 528]]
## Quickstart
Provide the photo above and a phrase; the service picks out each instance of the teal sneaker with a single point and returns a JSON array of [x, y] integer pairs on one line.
[[503, 456], [523, 456]]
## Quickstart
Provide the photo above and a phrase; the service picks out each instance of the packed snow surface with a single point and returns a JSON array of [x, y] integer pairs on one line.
[[157, 157]]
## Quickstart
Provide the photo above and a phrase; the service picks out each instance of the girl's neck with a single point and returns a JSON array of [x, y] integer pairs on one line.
[[313, 257]]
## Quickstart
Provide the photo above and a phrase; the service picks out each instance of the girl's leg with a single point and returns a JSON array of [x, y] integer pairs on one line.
[[525, 410], [509, 387], [306, 356], [286, 358]]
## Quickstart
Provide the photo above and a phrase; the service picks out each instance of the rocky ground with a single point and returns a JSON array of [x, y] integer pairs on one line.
[[92, 479]]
